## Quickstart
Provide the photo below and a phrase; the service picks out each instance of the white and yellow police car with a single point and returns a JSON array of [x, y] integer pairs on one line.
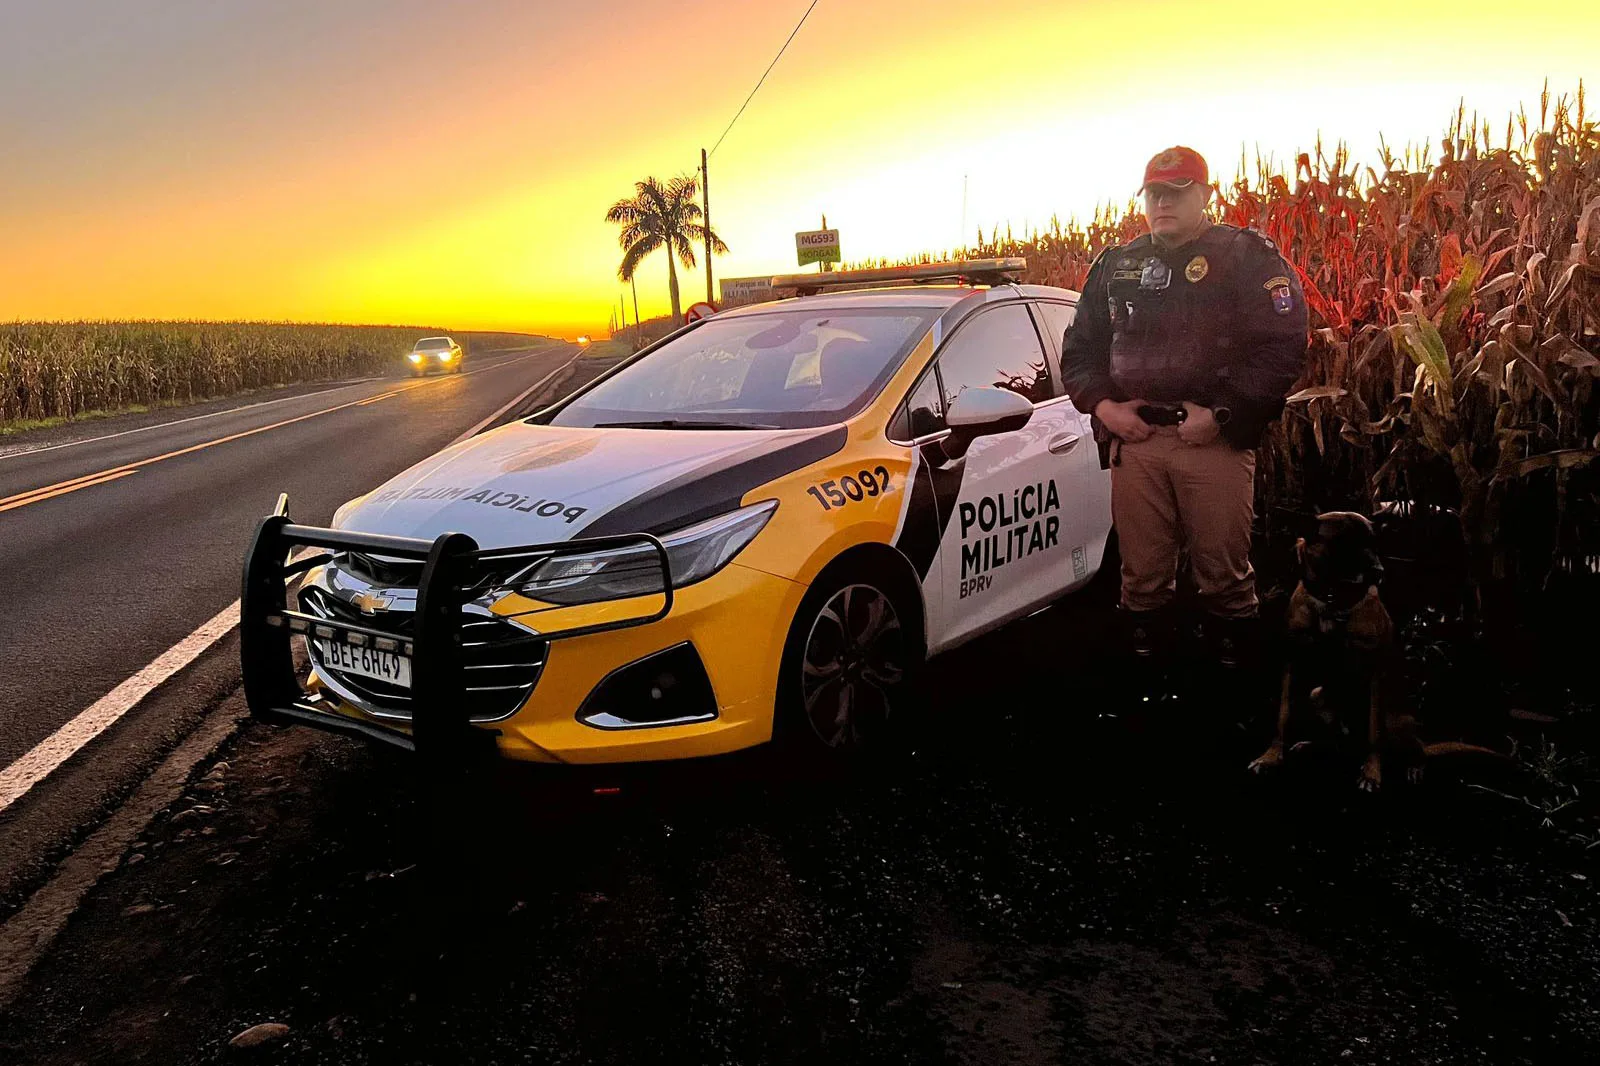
[[757, 526]]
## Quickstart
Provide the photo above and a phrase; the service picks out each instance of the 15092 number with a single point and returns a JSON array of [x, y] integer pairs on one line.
[[831, 494]]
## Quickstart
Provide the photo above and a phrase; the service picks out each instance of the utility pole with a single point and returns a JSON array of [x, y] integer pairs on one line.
[[635, 284], [963, 244], [822, 268], [705, 210]]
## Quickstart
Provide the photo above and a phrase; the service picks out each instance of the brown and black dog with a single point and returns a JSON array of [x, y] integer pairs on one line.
[[1342, 659]]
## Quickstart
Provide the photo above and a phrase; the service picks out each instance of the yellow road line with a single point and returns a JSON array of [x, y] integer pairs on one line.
[[77, 481], [61, 488], [38, 495]]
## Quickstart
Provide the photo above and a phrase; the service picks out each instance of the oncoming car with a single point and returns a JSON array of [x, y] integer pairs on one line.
[[755, 528], [434, 353]]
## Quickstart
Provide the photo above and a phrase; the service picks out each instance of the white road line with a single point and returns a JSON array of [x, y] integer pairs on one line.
[[524, 394], [58, 747], [181, 421], [337, 387]]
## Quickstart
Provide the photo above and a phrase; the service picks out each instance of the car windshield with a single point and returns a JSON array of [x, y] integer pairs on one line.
[[781, 369], [432, 344]]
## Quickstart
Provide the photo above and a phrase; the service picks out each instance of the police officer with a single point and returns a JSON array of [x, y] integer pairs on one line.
[[1185, 344]]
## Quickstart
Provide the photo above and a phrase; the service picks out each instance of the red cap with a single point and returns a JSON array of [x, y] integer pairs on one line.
[[1176, 166]]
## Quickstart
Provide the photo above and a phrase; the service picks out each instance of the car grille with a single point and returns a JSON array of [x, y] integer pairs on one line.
[[502, 661], [380, 570]]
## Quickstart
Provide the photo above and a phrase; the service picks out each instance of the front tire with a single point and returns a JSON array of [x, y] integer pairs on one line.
[[849, 652]]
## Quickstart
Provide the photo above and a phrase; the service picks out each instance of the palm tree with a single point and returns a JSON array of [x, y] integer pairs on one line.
[[661, 216]]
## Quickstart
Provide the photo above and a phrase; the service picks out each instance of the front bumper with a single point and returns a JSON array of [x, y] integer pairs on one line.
[[453, 575], [719, 640]]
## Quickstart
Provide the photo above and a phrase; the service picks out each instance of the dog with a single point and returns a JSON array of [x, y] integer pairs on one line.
[[1343, 658]]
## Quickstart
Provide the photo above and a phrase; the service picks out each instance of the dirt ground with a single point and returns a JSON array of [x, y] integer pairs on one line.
[[1026, 878]]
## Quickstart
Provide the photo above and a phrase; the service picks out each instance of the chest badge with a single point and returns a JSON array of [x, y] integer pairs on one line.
[[1196, 270]]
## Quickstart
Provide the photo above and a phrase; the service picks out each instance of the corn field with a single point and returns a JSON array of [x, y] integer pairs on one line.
[[1455, 312], [63, 369]]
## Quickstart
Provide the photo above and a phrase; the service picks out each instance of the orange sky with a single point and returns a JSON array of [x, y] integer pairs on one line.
[[450, 163]]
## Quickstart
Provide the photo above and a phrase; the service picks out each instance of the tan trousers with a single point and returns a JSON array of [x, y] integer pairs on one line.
[[1164, 494]]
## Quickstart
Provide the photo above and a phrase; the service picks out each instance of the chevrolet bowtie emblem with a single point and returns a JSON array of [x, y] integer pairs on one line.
[[371, 602]]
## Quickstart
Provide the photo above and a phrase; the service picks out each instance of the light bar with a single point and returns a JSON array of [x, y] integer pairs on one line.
[[974, 271]]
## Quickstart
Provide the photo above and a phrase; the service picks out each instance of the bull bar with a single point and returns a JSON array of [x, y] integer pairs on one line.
[[454, 572]]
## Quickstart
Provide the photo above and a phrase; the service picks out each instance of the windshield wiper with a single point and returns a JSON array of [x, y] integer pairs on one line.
[[683, 423]]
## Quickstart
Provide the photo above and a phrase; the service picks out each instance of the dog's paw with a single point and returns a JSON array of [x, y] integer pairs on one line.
[[1371, 778], [1270, 759], [1414, 775]]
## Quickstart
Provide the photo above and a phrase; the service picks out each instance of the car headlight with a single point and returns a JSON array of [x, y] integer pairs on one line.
[[694, 553], [415, 357]]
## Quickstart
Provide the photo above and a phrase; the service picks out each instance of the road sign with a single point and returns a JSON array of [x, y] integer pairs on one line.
[[697, 311], [817, 246], [736, 292]]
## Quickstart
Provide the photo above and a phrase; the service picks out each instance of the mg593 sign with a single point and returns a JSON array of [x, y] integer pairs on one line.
[[817, 246]]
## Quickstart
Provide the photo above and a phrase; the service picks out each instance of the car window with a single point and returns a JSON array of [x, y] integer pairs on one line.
[[1053, 318], [789, 369], [997, 348], [923, 412], [430, 343], [1057, 317]]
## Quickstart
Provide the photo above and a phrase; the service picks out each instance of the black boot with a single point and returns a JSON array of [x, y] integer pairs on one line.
[[1241, 689], [1233, 644], [1151, 641]]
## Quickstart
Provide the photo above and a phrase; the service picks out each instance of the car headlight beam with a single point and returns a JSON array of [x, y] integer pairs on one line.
[[694, 553]]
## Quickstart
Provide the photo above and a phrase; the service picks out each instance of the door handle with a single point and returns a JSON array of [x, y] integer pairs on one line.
[[1064, 443]]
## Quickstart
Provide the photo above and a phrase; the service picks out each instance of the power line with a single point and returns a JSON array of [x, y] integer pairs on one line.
[[764, 74]]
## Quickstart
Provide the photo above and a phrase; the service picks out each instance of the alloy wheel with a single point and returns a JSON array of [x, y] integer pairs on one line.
[[854, 657]]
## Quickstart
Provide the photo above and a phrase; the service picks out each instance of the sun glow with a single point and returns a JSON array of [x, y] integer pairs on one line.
[[292, 169]]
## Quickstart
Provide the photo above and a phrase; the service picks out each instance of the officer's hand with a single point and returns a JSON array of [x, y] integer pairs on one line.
[[1199, 426], [1123, 419]]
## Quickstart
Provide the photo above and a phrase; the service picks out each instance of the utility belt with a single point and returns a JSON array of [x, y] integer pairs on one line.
[[1163, 414]]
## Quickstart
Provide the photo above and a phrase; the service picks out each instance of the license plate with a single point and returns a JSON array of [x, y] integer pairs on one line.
[[367, 662]]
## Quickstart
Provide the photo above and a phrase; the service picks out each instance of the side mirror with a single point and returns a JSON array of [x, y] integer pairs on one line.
[[979, 412]]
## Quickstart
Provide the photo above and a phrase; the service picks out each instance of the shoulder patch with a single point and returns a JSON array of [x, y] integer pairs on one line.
[[1259, 237], [1273, 283]]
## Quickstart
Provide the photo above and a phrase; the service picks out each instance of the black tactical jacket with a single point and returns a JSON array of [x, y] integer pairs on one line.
[[1220, 321]]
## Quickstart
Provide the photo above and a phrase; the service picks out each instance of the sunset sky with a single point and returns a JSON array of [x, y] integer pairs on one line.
[[449, 164]]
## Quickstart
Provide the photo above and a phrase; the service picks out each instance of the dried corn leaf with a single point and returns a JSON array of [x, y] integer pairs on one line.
[[1562, 459], [1317, 392], [1499, 284]]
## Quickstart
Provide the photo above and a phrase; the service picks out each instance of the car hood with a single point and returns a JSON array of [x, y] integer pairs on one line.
[[530, 484]]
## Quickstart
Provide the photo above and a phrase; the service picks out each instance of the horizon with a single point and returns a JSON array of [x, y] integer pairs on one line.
[[286, 163]]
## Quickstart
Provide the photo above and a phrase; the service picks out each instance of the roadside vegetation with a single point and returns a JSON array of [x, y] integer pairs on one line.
[[1451, 392], [52, 372]]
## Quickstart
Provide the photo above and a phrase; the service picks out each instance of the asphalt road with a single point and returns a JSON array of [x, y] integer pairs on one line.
[[1021, 881], [115, 547]]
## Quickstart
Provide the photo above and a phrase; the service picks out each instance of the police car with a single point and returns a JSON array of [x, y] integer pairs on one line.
[[756, 527]]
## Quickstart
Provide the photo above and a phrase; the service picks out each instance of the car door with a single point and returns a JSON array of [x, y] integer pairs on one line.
[[1002, 552], [1085, 471]]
